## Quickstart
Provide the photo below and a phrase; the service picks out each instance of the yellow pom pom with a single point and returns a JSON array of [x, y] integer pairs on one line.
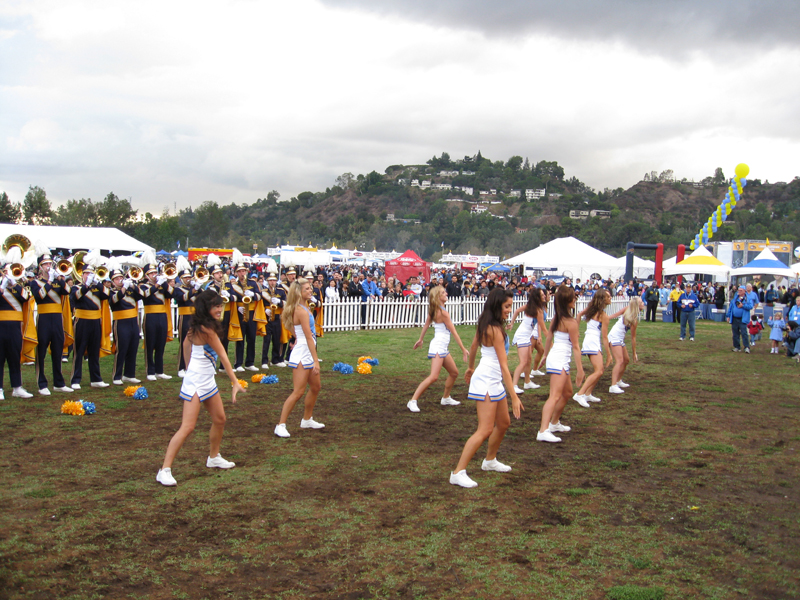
[[72, 408], [131, 390], [364, 368], [361, 359], [256, 378], [243, 383]]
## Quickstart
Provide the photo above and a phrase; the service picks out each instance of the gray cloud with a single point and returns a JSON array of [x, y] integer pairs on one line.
[[675, 28]]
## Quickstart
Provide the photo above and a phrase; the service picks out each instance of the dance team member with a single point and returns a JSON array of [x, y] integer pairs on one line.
[[303, 358], [12, 302], [562, 344], [123, 301], [523, 338], [594, 341], [616, 337], [486, 387], [49, 291], [438, 351], [202, 347], [539, 333]]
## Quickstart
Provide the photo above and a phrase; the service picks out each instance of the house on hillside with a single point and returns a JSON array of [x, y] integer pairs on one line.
[[515, 193], [442, 186], [390, 216], [467, 189], [415, 183], [468, 172], [579, 214], [448, 173], [477, 209], [600, 214], [534, 194], [553, 195], [426, 184]]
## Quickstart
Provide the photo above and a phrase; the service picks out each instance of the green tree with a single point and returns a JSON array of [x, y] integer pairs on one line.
[[719, 176], [9, 212], [36, 209], [210, 225], [116, 212], [514, 163], [76, 213]]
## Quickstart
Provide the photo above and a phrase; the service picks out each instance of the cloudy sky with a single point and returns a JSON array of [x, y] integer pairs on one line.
[[175, 103]]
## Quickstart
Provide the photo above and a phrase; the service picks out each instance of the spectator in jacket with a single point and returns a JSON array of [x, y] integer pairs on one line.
[[454, 288], [651, 298], [738, 315], [688, 302]]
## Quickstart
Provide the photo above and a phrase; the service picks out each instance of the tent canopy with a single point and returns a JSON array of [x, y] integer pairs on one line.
[[700, 262], [301, 259], [408, 265], [498, 268], [766, 263], [109, 239], [642, 268], [567, 254]]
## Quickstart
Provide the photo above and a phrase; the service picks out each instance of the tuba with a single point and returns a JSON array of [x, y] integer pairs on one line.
[[19, 241], [78, 264]]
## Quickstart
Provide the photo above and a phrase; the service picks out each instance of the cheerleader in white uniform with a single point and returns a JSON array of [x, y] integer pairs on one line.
[[303, 359], [562, 343], [203, 345], [594, 340], [616, 337], [523, 338], [438, 351], [486, 387], [540, 333]]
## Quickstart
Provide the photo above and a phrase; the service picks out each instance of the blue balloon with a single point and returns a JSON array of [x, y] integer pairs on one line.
[[714, 228], [736, 193], [743, 181], [724, 216]]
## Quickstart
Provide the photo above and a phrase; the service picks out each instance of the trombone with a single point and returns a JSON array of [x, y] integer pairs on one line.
[[170, 271], [63, 267], [135, 273], [201, 275]]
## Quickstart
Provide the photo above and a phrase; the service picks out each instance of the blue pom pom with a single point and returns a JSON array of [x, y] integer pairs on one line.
[[269, 379], [372, 361], [88, 407], [346, 369], [140, 394]]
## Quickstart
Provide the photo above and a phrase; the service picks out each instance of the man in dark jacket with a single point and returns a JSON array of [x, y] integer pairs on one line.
[[454, 287], [651, 297]]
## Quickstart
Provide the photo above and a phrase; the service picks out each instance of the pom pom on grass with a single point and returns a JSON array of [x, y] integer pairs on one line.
[[257, 378], [269, 379], [131, 390], [243, 383], [71, 407], [141, 394], [365, 368]]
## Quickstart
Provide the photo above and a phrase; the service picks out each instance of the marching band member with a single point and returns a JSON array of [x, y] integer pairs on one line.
[[12, 298], [184, 294], [219, 285], [315, 304], [287, 336], [51, 294], [87, 300], [156, 295], [249, 293], [274, 297], [124, 301]]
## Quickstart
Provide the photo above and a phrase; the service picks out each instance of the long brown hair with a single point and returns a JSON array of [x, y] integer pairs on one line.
[[597, 305], [535, 302], [202, 319], [564, 297], [492, 314]]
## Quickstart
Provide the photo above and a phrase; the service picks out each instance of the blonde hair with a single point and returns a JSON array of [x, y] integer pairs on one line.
[[293, 298], [434, 300], [631, 314]]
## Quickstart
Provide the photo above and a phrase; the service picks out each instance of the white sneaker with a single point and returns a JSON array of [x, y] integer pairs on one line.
[[21, 392], [530, 386], [63, 360], [591, 398], [265, 366], [310, 424], [547, 436], [622, 384], [559, 428], [65, 389], [239, 369], [581, 399], [76, 386], [163, 376], [615, 389], [151, 378], [44, 392], [450, 402], [461, 478], [280, 430], [252, 368], [99, 384], [182, 373], [518, 389], [536, 372], [281, 364], [131, 379], [691, 339], [412, 406], [165, 477], [117, 381], [2, 395], [494, 465], [219, 462]]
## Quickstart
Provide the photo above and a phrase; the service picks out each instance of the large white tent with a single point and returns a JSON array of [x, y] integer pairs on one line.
[[108, 239], [567, 254], [766, 263], [699, 262]]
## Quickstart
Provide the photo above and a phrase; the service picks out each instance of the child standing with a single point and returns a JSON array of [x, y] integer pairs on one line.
[[754, 328], [776, 333]]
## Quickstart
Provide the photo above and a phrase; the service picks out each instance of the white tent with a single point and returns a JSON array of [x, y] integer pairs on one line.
[[76, 238], [642, 268], [766, 263], [567, 254], [700, 262], [301, 259]]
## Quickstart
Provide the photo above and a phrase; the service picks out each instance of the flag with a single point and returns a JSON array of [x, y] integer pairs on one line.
[[179, 244]]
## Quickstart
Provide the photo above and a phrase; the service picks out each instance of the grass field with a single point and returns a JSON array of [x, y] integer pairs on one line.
[[684, 487]]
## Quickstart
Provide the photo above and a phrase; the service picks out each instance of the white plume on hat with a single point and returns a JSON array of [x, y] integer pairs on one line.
[[272, 266], [182, 264], [113, 264], [213, 261], [148, 258], [40, 248], [131, 260], [237, 258]]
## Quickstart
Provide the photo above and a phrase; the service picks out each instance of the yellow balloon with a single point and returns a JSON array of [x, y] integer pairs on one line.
[[742, 170]]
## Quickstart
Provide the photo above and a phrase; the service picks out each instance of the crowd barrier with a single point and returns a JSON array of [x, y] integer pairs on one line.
[[346, 314]]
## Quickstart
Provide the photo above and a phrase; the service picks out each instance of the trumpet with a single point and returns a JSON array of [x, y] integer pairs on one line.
[[63, 267], [16, 270], [170, 271], [135, 273], [101, 272], [201, 275]]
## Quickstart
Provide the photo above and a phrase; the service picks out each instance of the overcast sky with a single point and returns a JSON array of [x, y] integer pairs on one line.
[[175, 103]]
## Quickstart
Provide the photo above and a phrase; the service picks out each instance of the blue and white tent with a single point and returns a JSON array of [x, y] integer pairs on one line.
[[764, 264]]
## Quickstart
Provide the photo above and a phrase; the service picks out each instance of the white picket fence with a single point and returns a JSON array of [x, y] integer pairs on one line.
[[345, 315]]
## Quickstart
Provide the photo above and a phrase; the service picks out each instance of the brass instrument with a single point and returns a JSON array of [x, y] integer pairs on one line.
[[170, 271], [201, 275], [101, 272], [18, 240], [78, 264], [225, 300], [16, 270], [63, 267], [246, 299], [135, 273]]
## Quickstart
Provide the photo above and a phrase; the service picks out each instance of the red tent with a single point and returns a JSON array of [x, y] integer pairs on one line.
[[408, 265]]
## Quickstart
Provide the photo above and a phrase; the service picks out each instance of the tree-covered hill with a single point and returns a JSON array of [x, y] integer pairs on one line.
[[434, 206]]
